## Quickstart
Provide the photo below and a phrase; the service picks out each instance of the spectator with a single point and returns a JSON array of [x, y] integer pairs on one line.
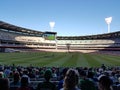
[[47, 85], [71, 80], [7, 71], [60, 84], [104, 83], [4, 84], [1, 74], [103, 67], [16, 81], [86, 83], [24, 83]]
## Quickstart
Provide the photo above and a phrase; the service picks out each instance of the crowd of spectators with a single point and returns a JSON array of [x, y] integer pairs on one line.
[[59, 78]]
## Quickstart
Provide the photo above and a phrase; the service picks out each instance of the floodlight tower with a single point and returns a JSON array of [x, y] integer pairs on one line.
[[52, 24], [108, 21]]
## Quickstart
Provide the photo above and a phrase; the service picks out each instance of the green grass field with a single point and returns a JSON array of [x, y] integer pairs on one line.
[[59, 59]]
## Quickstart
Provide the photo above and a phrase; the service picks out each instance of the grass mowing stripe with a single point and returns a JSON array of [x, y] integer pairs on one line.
[[17, 60], [12, 56], [100, 60], [92, 62], [76, 57], [106, 60], [46, 61], [113, 61], [39, 59], [82, 62], [50, 60], [114, 58], [59, 61], [24, 57], [73, 60], [107, 55], [68, 62], [21, 58]]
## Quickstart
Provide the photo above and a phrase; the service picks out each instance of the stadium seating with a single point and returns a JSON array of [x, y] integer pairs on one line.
[[19, 37]]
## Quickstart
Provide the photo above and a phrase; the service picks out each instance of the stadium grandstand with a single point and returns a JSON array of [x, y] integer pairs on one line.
[[15, 38], [109, 41]]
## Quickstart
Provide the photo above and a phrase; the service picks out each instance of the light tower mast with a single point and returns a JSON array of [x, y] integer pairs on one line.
[[108, 21]]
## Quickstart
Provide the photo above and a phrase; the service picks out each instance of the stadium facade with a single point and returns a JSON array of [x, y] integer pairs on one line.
[[14, 37]]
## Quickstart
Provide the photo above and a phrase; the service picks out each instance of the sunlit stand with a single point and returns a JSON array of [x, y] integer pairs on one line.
[[108, 21]]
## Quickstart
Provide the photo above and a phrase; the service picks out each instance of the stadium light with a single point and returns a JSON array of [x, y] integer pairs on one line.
[[108, 21], [52, 24]]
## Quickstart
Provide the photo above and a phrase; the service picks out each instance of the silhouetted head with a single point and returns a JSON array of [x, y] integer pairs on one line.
[[16, 77], [104, 82], [71, 79], [4, 84], [24, 81], [48, 75]]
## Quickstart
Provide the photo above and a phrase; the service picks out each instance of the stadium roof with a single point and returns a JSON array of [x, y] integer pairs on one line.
[[98, 36], [8, 26], [11, 27]]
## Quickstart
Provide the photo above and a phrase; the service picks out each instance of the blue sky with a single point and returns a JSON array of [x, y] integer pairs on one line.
[[71, 17]]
